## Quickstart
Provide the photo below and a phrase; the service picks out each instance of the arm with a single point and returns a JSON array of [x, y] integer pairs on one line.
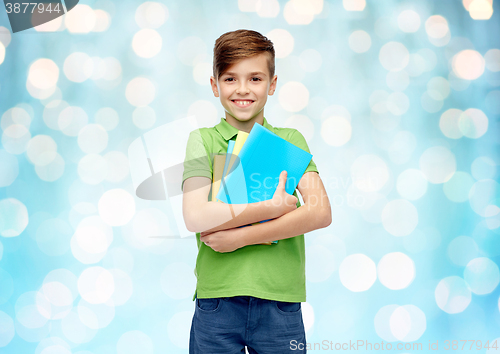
[[314, 214], [202, 215]]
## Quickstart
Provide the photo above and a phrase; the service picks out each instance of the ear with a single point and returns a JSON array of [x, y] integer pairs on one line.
[[272, 87], [213, 83]]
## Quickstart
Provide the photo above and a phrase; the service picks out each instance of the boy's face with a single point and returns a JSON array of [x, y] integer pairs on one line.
[[243, 91]]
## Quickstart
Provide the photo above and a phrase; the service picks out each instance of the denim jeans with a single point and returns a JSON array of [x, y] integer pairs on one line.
[[226, 325]]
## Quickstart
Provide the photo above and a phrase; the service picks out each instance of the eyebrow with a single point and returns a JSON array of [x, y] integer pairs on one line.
[[251, 74]]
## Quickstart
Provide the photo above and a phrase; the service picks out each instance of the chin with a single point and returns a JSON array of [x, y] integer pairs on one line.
[[241, 119]]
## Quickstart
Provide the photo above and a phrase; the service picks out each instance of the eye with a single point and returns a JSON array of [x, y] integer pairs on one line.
[[257, 78], [229, 78]]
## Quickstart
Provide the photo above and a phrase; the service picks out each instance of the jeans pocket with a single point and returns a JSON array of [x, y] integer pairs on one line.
[[288, 308], [208, 305]]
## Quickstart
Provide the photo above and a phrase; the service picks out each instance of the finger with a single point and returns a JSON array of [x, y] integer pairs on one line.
[[282, 181]]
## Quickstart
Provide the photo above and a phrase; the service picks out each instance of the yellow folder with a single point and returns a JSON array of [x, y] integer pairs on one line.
[[240, 140], [218, 168]]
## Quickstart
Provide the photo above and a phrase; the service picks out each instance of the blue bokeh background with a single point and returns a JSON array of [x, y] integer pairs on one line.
[[399, 102]]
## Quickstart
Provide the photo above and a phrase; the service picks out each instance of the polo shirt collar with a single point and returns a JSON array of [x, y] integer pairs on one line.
[[228, 131]]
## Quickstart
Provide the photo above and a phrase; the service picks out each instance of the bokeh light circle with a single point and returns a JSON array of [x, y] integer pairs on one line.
[[436, 27], [7, 330], [283, 42], [369, 173], [102, 21], [438, 164], [482, 195], [92, 169], [357, 272], [42, 150], [293, 96], [399, 217], [140, 92], [9, 168], [411, 184], [409, 21], [492, 59], [43, 74], [116, 207], [407, 323], [394, 56], [473, 123], [51, 171], [151, 14], [448, 123], [118, 166], [13, 217], [144, 117], [438, 88], [75, 330], [360, 41], [92, 138], [71, 120], [294, 13], [96, 285], [15, 139], [81, 19], [482, 275], [15, 115], [2, 53], [147, 43], [468, 64], [336, 131], [396, 270], [78, 67], [453, 295]]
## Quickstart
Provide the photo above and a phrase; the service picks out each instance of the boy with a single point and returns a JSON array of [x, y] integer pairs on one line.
[[247, 294]]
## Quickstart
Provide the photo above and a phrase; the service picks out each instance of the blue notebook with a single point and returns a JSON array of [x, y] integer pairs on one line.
[[255, 175]]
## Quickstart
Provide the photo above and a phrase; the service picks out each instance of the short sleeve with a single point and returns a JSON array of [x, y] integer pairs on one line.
[[197, 161], [298, 139]]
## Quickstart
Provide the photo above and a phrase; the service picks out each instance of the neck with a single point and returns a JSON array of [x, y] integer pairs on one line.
[[245, 126]]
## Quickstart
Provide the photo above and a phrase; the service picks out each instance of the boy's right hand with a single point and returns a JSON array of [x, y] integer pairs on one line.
[[283, 201]]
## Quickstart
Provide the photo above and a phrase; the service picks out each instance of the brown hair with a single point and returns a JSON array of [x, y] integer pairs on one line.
[[240, 44]]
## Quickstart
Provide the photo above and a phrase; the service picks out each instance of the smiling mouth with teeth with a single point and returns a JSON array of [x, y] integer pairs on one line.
[[242, 103]]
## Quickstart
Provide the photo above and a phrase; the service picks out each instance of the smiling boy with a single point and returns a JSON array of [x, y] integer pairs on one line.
[[247, 293]]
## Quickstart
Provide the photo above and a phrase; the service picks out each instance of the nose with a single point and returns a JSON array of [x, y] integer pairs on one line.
[[243, 88]]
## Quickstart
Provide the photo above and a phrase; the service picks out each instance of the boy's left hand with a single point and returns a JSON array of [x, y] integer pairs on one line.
[[224, 240]]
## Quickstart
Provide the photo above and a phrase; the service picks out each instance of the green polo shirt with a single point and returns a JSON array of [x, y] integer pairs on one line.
[[273, 272]]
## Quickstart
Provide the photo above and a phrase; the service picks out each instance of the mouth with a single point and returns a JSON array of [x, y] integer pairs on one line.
[[242, 103]]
